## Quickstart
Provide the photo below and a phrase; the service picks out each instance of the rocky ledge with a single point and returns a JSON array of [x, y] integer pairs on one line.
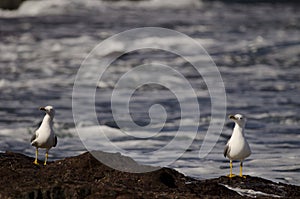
[[84, 176], [10, 4]]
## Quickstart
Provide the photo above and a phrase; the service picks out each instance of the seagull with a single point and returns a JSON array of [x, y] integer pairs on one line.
[[237, 147], [44, 136]]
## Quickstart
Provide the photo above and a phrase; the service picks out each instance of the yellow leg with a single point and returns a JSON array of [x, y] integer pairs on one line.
[[36, 156], [46, 157], [230, 174], [241, 170]]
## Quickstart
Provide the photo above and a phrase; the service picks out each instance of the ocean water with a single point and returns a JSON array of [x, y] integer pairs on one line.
[[256, 48]]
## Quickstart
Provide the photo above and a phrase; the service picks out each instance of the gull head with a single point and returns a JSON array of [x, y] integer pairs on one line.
[[49, 110], [238, 119]]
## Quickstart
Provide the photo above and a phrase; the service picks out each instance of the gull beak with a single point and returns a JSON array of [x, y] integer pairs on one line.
[[232, 117], [42, 109]]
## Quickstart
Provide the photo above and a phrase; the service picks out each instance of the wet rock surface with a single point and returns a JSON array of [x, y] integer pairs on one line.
[[84, 176], [10, 4]]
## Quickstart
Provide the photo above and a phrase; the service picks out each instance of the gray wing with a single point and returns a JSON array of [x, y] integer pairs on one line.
[[33, 137], [55, 141], [226, 150]]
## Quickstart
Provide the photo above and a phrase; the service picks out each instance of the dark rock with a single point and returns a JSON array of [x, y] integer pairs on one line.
[[84, 176], [255, 1], [124, 0], [167, 179], [10, 4]]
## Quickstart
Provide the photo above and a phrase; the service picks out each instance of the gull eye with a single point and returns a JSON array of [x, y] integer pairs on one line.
[[241, 118]]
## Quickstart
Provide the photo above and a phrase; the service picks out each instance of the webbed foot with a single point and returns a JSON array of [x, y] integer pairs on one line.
[[231, 175]]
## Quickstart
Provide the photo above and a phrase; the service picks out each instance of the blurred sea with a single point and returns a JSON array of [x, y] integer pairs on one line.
[[256, 47]]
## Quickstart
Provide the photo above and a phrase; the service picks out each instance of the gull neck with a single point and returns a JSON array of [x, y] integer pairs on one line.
[[47, 121], [238, 129]]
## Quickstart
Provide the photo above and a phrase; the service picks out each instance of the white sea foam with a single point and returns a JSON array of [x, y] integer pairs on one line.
[[156, 42], [155, 4], [250, 192], [56, 7]]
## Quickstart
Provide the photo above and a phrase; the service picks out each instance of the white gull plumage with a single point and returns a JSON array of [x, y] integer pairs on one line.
[[44, 136], [237, 147]]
